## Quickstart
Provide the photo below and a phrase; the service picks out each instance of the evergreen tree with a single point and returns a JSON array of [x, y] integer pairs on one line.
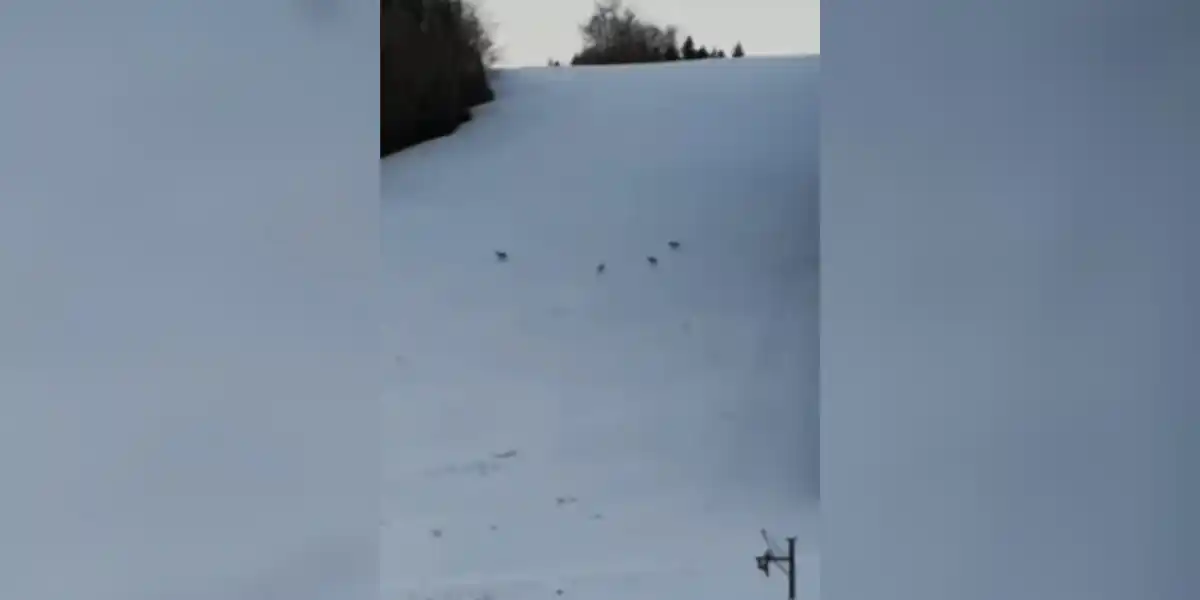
[[688, 50], [738, 51]]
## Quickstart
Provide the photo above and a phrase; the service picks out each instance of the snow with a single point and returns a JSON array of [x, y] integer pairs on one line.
[[615, 435], [189, 277]]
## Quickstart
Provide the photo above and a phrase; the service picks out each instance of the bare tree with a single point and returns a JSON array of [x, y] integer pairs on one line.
[[615, 34], [478, 34]]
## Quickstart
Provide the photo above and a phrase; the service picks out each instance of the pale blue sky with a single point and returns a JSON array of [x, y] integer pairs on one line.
[[531, 31]]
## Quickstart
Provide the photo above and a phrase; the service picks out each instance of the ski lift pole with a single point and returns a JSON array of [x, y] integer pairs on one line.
[[791, 562]]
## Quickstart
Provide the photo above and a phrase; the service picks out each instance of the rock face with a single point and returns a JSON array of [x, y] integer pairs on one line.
[[430, 72]]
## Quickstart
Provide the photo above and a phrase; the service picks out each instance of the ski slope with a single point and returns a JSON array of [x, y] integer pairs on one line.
[[554, 430]]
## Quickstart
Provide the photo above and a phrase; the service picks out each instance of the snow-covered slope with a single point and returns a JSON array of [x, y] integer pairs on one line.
[[615, 434]]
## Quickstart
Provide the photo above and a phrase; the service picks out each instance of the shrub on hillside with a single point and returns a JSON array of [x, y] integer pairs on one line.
[[433, 68]]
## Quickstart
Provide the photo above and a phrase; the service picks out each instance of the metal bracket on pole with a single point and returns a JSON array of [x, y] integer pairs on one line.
[[788, 563]]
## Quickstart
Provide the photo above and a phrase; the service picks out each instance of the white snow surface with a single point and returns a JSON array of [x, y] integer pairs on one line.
[[622, 434]]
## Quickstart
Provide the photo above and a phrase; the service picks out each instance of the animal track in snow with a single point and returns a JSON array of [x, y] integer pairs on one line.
[[481, 468]]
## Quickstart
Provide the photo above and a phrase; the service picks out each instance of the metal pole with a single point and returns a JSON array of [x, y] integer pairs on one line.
[[791, 558]]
